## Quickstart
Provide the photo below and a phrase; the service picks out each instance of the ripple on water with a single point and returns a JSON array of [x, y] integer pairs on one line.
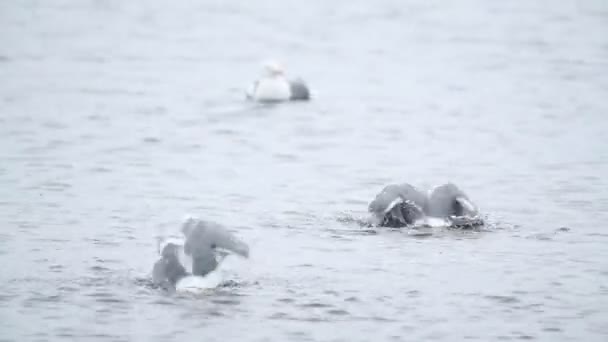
[[164, 301], [54, 125], [338, 312], [286, 157], [100, 169], [279, 316], [99, 269], [380, 319], [300, 335], [56, 268], [215, 313], [100, 242], [106, 337], [286, 300], [315, 305], [37, 297], [105, 297], [225, 131], [151, 140], [153, 111], [4, 297], [55, 186], [226, 301], [503, 299]]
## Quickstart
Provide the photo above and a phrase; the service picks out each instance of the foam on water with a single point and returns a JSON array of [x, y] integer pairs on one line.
[[196, 284], [434, 222]]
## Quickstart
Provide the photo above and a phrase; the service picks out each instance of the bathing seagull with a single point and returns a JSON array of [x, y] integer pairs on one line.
[[397, 205], [204, 239], [450, 202]]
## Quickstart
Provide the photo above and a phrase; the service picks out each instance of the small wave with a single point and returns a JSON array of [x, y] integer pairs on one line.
[[338, 312], [503, 299], [315, 305]]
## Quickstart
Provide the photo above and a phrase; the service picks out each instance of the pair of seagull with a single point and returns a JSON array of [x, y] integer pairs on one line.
[[397, 205], [401, 205]]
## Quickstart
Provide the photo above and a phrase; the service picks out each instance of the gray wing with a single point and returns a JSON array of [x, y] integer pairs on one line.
[[449, 200], [390, 195], [299, 90], [174, 270], [203, 237], [222, 238]]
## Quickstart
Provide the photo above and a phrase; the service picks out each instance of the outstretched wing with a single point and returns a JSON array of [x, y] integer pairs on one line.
[[203, 237], [220, 237]]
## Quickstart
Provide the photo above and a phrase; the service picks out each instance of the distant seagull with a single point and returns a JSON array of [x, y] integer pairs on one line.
[[273, 86]]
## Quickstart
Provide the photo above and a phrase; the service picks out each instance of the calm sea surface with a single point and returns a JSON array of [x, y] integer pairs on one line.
[[118, 118]]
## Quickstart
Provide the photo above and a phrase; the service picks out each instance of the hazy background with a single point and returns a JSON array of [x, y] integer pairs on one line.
[[117, 118]]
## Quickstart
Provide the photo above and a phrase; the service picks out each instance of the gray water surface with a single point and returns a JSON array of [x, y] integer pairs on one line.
[[118, 118]]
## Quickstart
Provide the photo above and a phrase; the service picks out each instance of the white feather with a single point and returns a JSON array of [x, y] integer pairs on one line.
[[272, 89]]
